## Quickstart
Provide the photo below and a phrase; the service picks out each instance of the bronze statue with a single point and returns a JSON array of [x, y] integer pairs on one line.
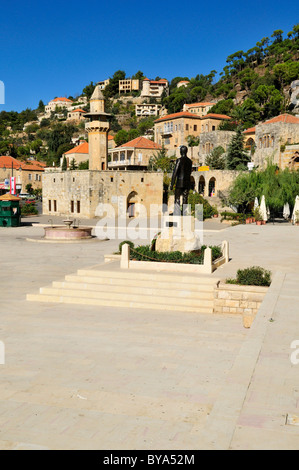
[[181, 177]]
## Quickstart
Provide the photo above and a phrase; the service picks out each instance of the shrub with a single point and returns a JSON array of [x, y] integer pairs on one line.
[[253, 276], [208, 210], [28, 209], [144, 253], [131, 245]]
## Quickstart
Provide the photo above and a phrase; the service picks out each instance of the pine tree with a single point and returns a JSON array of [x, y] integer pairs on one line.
[[73, 165], [64, 164], [237, 158]]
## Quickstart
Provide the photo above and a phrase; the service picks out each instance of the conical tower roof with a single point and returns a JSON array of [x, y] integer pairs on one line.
[[97, 94]]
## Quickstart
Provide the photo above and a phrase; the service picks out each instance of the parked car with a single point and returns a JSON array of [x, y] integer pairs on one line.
[[24, 195]]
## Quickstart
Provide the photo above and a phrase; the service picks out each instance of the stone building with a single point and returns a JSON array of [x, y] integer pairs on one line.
[[211, 140], [272, 137], [83, 193], [172, 130], [154, 88], [57, 103], [129, 84], [79, 193], [147, 109], [198, 108], [133, 155], [78, 154], [29, 172], [76, 115], [212, 183]]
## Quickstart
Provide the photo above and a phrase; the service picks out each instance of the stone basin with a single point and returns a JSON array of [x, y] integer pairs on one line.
[[67, 233]]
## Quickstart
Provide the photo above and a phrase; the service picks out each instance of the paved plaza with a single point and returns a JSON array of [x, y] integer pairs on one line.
[[86, 377]]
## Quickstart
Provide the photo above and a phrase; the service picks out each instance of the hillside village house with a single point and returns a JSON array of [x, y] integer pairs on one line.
[[201, 109], [133, 155], [183, 83], [80, 153], [24, 172], [147, 109], [127, 85], [154, 88], [208, 141], [102, 84], [172, 130], [76, 115], [275, 139], [57, 103]]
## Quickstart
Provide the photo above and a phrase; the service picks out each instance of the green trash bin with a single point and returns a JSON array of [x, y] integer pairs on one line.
[[10, 211]]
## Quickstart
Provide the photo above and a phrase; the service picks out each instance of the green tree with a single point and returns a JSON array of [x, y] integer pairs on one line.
[[216, 159], [29, 188], [41, 106], [138, 75], [64, 164], [112, 88], [121, 137], [237, 158], [73, 165], [88, 90]]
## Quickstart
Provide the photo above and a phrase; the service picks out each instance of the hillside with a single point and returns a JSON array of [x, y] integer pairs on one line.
[[254, 85]]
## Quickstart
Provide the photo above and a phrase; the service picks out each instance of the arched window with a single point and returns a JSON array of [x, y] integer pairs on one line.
[[132, 199], [212, 187], [201, 185]]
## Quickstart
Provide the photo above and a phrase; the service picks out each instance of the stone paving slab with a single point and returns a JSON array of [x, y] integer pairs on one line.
[[104, 378]]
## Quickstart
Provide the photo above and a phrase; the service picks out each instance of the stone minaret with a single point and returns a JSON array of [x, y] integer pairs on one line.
[[97, 128]]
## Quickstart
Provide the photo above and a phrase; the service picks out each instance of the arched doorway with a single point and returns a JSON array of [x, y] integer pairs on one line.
[[131, 203], [212, 187], [201, 185], [192, 187]]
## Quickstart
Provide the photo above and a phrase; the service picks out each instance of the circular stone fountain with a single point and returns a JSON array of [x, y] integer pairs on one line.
[[67, 232]]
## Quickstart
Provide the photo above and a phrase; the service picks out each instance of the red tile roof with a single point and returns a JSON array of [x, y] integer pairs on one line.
[[285, 118], [62, 99], [177, 115], [32, 167], [199, 104], [78, 110], [7, 162], [10, 162], [250, 130], [216, 116], [141, 143], [81, 148]]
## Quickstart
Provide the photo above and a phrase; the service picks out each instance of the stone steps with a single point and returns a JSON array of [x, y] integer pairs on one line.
[[132, 289]]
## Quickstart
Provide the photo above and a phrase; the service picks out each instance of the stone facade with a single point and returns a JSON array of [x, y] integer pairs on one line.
[[210, 140], [290, 157], [242, 300], [210, 183], [78, 193], [272, 137]]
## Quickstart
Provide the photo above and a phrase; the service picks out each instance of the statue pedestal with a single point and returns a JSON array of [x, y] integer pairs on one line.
[[179, 233]]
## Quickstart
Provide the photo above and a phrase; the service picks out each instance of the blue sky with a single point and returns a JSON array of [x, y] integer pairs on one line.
[[56, 48]]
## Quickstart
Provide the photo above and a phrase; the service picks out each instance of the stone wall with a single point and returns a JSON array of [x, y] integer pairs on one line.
[[269, 138], [210, 140], [79, 193], [242, 300], [221, 179]]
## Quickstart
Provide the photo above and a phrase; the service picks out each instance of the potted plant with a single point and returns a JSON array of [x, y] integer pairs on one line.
[[258, 216]]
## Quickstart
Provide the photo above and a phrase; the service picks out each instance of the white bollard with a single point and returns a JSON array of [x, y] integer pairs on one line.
[[125, 256]]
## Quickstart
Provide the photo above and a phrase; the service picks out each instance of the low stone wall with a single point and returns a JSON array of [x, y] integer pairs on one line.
[[242, 300]]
